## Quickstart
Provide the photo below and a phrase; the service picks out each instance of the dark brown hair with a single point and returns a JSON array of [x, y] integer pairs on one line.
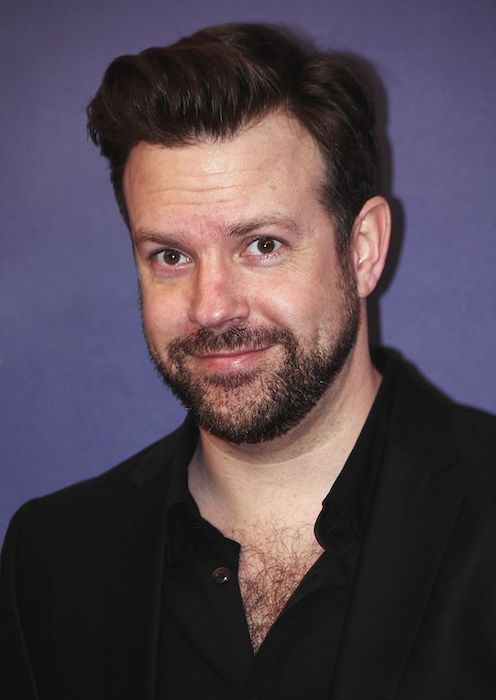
[[220, 79]]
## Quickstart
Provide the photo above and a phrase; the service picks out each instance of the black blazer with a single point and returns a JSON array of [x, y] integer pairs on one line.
[[82, 571]]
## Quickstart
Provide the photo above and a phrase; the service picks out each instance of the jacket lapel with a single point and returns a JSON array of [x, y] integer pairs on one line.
[[136, 554], [413, 514]]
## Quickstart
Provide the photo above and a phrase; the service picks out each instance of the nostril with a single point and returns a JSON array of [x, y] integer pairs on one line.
[[217, 304]]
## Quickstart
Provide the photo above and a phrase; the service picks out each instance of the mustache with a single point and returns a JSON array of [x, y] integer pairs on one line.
[[239, 337]]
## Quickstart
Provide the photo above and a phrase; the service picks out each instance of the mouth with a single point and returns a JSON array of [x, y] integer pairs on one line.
[[231, 360]]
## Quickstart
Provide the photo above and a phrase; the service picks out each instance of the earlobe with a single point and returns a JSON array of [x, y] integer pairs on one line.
[[370, 243]]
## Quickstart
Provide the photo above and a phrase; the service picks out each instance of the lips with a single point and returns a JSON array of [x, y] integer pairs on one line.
[[238, 348], [230, 359], [228, 353]]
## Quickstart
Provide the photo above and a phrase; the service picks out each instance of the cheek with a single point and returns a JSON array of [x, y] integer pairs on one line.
[[308, 289], [159, 317], [311, 305], [298, 307]]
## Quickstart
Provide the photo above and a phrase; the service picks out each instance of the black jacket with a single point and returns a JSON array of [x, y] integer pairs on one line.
[[82, 569]]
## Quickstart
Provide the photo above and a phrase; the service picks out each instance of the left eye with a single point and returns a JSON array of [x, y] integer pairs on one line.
[[263, 246]]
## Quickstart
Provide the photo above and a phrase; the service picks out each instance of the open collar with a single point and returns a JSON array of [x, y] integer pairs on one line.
[[409, 526]]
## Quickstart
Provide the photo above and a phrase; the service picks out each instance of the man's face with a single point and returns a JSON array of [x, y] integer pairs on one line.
[[248, 312]]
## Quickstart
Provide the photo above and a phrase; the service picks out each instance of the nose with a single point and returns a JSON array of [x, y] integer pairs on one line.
[[218, 297]]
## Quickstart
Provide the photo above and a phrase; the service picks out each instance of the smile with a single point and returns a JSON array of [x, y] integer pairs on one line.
[[231, 360]]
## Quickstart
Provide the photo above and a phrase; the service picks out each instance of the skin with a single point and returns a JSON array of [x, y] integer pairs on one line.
[[197, 214]]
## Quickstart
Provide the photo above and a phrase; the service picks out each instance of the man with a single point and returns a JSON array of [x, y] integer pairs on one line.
[[322, 524]]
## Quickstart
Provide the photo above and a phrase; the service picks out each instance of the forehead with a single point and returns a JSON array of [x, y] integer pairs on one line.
[[272, 163]]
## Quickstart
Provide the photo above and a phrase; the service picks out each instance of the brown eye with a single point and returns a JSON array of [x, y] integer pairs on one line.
[[263, 247], [171, 257], [266, 245]]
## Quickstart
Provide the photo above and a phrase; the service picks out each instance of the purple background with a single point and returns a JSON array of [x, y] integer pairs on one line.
[[78, 393]]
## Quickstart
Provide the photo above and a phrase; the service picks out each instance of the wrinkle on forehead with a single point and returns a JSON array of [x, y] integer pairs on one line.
[[192, 188], [187, 177]]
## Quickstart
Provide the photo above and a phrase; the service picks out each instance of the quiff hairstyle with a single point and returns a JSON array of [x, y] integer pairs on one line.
[[215, 82]]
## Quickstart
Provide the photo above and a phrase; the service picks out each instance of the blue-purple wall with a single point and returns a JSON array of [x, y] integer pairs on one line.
[[77, 392]]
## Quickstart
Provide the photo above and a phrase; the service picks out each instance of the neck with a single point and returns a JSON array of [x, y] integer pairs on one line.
[[285, 480]]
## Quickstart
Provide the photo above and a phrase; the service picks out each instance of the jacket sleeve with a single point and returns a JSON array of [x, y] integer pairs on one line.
[[16, 676]]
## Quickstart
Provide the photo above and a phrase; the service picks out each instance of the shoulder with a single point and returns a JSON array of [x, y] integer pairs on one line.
[[437, 429], [87, 503], [471, 432], [475, 423], [474, 433]]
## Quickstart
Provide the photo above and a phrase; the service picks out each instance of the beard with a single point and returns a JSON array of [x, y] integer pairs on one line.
[[260, 404]]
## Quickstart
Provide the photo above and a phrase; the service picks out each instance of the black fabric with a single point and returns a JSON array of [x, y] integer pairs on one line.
[[83, 570], [205, 645]]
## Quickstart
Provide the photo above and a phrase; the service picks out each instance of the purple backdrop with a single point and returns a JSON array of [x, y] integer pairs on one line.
[[78, 394]]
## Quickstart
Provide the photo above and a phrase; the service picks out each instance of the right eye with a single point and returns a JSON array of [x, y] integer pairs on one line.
[[170, 257]]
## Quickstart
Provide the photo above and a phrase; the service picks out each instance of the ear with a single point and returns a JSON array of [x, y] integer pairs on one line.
[[370, 243]]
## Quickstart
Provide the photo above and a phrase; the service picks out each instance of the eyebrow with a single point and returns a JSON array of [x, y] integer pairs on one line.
[[236, 230], [252, 225]]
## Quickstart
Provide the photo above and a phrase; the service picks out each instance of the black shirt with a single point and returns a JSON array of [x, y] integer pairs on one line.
[[205, 648]]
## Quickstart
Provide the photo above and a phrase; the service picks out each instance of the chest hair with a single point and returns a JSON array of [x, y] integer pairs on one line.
[[269, 571]]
